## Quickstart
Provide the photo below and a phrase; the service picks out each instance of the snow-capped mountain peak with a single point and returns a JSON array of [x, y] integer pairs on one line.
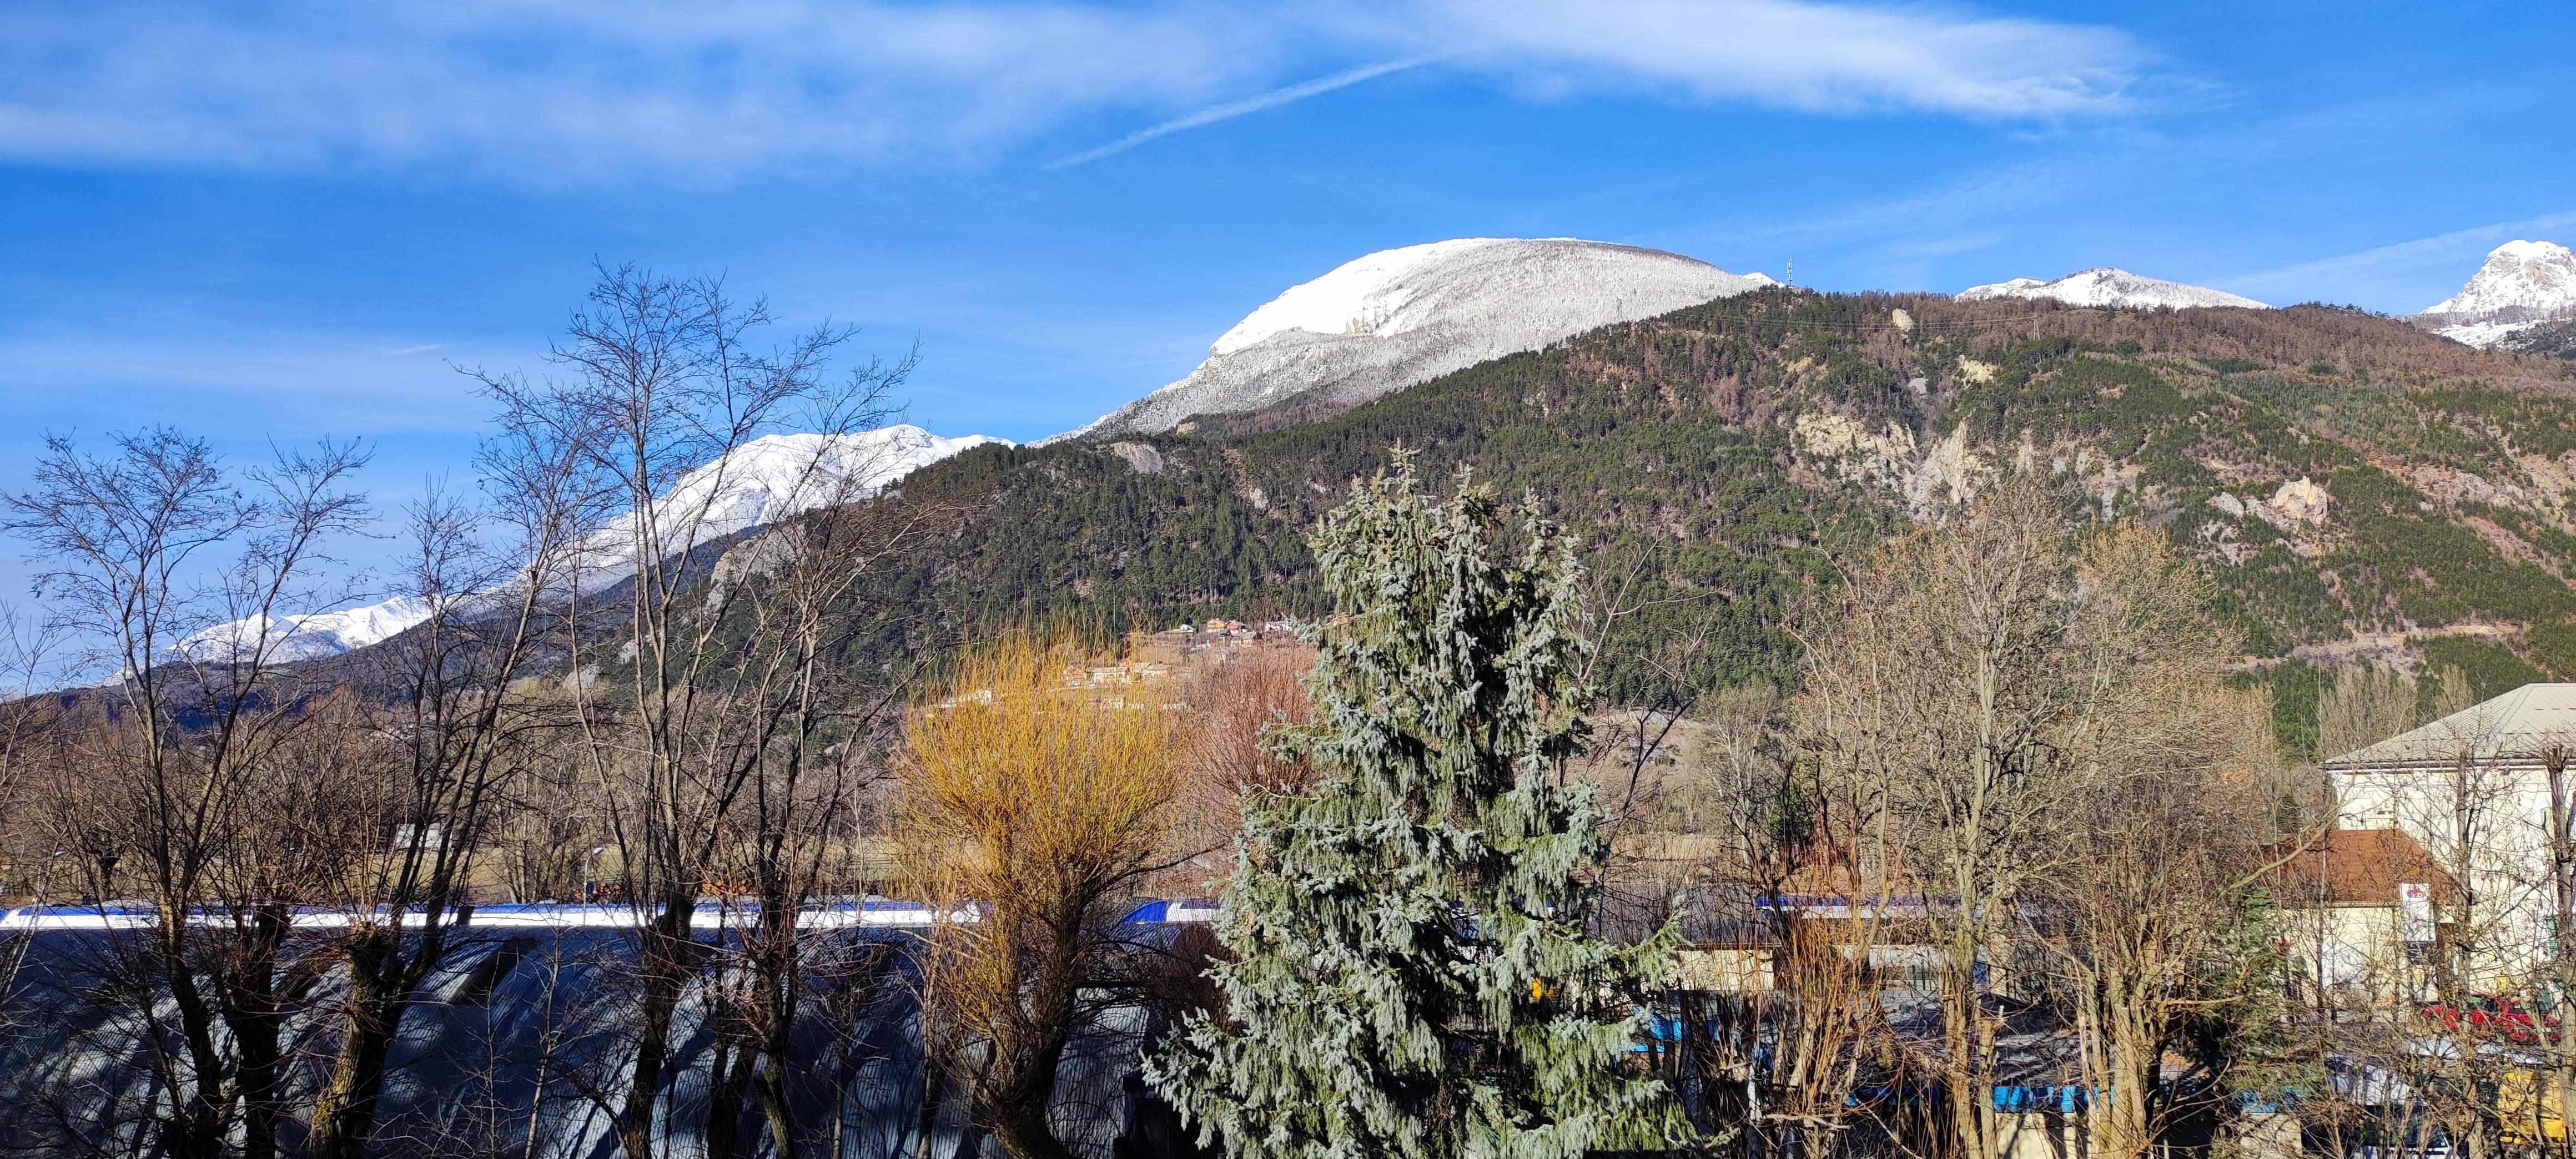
[[1391, 319], [776, 476], [308, 635], [2520, 283], [2532, 274], [1366, 295], [762, 481], [2110, 286], [2013, 288]]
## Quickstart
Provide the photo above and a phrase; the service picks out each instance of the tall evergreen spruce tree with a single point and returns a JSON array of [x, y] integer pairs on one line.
[[1409, 973]]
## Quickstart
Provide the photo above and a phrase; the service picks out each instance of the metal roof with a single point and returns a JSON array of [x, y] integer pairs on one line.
[[2512, 727]]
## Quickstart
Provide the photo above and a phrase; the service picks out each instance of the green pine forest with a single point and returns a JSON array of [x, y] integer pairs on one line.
[[1683, 450]]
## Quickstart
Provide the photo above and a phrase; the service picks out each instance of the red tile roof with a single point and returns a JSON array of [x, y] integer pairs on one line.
[[2354, 867]]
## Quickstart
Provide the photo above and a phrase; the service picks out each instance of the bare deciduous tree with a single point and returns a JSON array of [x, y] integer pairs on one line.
[[1940, 682], [794, 594], [182, 576], [687, 703], [2367, 704], [447, 732], [2170, 824], [1781, 1059]]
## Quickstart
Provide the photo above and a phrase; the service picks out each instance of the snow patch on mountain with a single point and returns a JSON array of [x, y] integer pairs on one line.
[[1366, 295], [765, 480], [2110, 286], [2520, 283], [1392, 319], [776, 476], [307, 636]]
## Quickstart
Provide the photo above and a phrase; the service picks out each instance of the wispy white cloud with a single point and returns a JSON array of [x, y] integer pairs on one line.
[[1975, 203], [2440, 249], [1942, 247], [1916, 263], [1800, 54], [1231, 109], [237, 385], [566, 91]]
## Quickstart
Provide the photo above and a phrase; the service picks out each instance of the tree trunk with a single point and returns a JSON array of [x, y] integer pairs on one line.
[[728, 1076], [2562, 942], [250, 1004], [778, 1022], [1022, 1083], [1967, 1039], [344, 1114], [1959, 1018], [255, 1035], [667, 954], [199, 1130], [1989, 1124], [1016, 1104], [773, 1105], [1022, 1129], [934, 1089], [2127, 1125]]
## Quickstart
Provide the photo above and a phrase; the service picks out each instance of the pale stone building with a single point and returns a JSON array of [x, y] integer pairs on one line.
[[2474, 790]]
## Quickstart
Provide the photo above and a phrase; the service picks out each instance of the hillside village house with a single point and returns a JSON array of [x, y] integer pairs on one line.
[[2480, 791], [2357, 911]]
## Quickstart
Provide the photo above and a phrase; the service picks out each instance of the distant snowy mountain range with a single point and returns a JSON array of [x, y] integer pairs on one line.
[[312, 634], [1376, 324], [2111, 286], [762, 481], [2521, 283], [776, 476], [1400, 317]]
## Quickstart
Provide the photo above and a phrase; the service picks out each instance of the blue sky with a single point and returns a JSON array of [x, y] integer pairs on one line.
[[280, 221]]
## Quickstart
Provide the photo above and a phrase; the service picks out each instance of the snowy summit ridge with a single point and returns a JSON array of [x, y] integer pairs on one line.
[[776, 476], [1395, 318], [309, 635], [2113, 287], [2520, 283], [765, 480]]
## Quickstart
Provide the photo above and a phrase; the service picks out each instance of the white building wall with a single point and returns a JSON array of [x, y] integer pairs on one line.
[[2505, 809]]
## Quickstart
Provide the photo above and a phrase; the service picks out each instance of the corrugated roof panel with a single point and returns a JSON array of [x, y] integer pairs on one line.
[[2514, 726]]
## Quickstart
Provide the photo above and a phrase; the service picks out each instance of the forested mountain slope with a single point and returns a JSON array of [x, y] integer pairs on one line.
[[2351, 482]]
